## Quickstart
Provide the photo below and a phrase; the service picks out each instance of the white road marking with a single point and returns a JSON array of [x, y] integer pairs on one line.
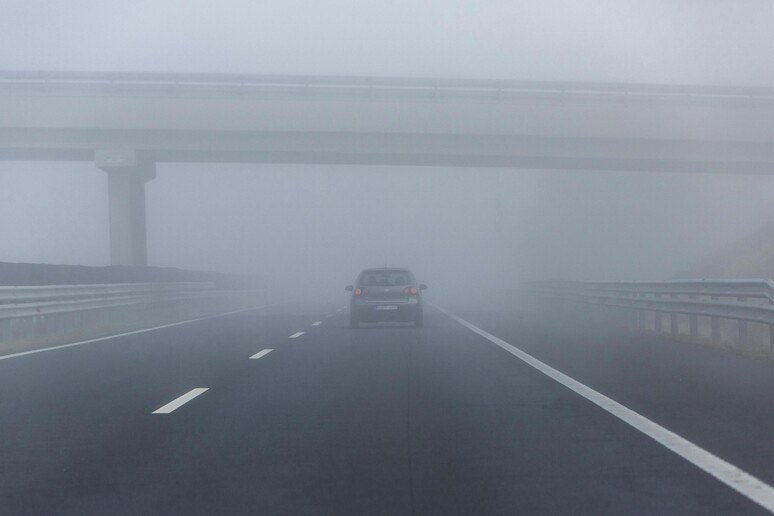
[[296, 335], [744, 483], [179, 402], [329, 315], [317, 323], [261, 353], [339, 309], [135, 332]]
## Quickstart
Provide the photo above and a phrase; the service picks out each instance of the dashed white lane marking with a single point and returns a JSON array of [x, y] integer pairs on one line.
[[179, 402], [296, 335], [746, 484], [261, 353], [317, 323], [135, 332], [329, 315]]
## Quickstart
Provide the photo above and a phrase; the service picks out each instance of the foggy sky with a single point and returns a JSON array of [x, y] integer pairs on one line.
[[321, 224], [669, 41]]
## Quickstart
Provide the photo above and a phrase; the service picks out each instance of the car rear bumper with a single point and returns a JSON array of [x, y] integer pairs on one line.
[[386, 311]]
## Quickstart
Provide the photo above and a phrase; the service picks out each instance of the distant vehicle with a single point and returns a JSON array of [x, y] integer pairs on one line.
[[387, 294]]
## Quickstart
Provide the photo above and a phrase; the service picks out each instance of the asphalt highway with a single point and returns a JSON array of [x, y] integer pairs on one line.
[[287, 410]]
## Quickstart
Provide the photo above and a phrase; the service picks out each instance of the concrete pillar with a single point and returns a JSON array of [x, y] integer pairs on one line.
[[127, 175]]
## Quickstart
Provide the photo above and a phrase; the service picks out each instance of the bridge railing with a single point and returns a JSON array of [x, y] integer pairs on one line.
[[742, 301], [178, 83], [32, 314]]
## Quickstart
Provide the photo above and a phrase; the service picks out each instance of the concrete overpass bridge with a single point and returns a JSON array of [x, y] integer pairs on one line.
[[126, 123]]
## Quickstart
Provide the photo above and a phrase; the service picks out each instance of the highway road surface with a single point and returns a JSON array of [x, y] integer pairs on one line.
[[286, 410]]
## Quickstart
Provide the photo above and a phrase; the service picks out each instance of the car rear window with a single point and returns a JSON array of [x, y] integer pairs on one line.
[[385, 278]]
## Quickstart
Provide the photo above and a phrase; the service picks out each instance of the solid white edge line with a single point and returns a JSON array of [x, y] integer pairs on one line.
[[134, 332], [317, 323], [179, 402], [742, 482], [296, 335], [261, 353]]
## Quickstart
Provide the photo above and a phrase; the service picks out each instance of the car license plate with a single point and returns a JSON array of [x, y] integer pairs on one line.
[[386, 307]]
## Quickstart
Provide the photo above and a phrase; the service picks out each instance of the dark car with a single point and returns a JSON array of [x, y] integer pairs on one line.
[[391, 295]]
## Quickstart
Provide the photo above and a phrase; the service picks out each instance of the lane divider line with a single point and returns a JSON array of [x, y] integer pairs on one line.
[[179, 402], [135, 332], [261, 353], [742, 482], [317, 323], [296, 335]]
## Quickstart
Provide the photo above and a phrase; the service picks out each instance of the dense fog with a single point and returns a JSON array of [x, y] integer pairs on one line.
[[662, 41], [460, 229]]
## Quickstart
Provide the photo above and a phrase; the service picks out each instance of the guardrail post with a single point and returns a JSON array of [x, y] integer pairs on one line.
[[742, 327], [742, 333], [673, 329], [634, 320], [29, 329], [693, 322], [657, 318], [771, 333]]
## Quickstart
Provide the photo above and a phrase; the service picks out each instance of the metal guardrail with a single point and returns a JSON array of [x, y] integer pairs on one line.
[[20, 302], [246, 83], [737, 288], [49, 314], [716, 299]]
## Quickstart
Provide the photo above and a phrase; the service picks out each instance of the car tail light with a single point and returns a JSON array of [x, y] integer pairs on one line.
[[411, 291], [361, 292]]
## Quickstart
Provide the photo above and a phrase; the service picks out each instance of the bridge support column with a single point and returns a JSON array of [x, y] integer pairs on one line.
[[127, 176]]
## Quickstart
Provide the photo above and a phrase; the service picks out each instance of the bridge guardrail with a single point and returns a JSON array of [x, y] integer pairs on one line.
[[180, 82], [714, 299]]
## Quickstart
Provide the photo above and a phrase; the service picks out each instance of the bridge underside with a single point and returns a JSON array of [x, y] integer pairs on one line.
[[126, 123], [432, 160], [130, 157], [399, 149]]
